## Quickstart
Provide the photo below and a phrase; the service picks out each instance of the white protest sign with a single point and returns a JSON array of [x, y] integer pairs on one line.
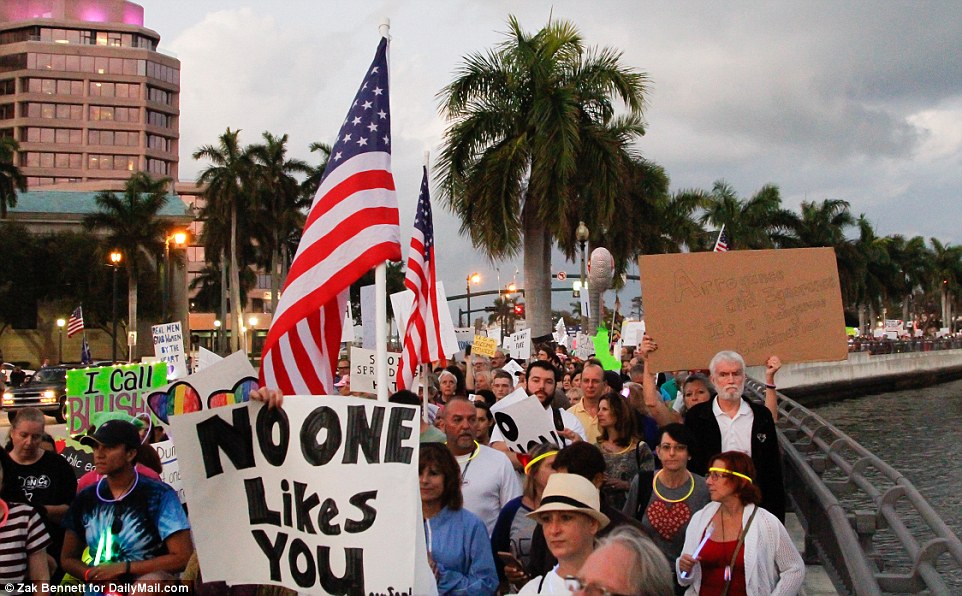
[[464, 335], [205, 358], [510, 399], [521, 344], [319, 497], [369, 337], [363, 370], [561, 333], [632, 332], [402, 302], [169, 348], [171, 469], [524, 424], [347, 330], [514, 368], [585, 348], [585, 304]]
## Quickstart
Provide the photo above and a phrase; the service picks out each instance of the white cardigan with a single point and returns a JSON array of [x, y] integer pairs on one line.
[[772, 563]]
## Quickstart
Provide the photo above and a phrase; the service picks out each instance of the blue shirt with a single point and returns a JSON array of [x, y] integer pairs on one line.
[[132, 529], [462, 552]]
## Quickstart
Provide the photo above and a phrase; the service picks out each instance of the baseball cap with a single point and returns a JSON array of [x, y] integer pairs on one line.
[[112, 433]]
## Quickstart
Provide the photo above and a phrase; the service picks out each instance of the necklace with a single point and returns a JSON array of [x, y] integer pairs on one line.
[[133, 485], [625, 450], [654, 487], [464, 474]]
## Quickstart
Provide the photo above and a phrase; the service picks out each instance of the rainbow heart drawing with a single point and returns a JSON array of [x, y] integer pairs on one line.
[[180, 398], [238, 395]]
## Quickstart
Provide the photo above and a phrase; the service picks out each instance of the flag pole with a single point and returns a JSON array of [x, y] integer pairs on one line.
[[380, 293]]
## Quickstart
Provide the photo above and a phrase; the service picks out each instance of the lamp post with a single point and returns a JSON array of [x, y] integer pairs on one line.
[[581, 234], [216, 345], [60, 326], [252, 329], [115, 258], [474, 278], [180, 240]]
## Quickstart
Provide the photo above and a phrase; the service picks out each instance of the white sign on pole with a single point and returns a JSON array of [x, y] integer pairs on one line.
[[561, 333], [632, 332], [585, 304], [515, 369], [523, 424], [347, 331], [363, 376], [169, 348], [521, 344], [585, 348], [402, 302], [314, 497]]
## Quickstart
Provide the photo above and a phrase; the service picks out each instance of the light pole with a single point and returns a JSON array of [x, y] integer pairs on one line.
[[474, 278], [216, 345], [180, 240], [60, 326], [581, 234], [252, 329], [115, 258]]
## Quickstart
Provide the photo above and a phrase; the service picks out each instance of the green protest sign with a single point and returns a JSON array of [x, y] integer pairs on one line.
[[95, 395]]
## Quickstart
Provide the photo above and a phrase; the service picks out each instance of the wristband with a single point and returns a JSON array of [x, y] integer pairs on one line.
[[768, 386], [87, 573]]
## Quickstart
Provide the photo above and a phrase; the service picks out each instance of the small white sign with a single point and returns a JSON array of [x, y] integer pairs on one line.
[[171, 469], [521, 344], [363, 370], [169, 348]]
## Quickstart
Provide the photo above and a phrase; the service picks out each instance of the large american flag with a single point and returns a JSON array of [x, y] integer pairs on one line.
[[422, 339], [351, 228], [75, 324], [721, 245]]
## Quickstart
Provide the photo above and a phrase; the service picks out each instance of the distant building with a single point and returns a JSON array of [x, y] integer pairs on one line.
[[86, 93]]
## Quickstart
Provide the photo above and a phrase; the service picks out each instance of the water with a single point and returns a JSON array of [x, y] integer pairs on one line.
[[919, 433]]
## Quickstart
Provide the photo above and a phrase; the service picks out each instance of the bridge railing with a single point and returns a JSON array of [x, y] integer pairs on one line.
[[900, 346], [866, 523]]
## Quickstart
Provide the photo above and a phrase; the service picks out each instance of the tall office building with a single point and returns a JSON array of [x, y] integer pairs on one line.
[[85, 92]]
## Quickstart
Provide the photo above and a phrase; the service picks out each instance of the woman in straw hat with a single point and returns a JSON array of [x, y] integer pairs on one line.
[[570, 516]]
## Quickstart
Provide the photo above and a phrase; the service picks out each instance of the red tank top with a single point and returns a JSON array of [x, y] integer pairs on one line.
[[714, 557]]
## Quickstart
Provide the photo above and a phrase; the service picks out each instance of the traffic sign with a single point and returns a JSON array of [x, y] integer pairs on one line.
[[562, 276]]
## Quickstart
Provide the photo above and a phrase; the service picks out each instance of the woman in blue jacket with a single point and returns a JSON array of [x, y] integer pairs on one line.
[[458, 546]]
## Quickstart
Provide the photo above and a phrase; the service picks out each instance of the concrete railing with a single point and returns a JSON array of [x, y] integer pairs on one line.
[[864, 521]]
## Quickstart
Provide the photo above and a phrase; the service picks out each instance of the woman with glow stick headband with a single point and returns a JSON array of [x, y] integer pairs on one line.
[[24, 541], [513, 530], [748, 550]]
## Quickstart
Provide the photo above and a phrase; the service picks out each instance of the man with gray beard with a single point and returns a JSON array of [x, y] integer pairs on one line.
[[731, 422]]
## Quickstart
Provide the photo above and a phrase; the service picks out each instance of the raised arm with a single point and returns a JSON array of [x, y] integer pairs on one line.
[[657, 408], [772, 365]]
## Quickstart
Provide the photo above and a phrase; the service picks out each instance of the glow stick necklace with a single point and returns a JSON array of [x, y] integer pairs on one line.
[[701, 545], [133, 485], [654, 487]]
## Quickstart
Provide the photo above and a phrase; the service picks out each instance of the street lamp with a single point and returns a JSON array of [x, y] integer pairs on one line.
[[474, 278], [115, 258], [216, 345], [180, 241], [582, 233], [252, 327], [60, 326]]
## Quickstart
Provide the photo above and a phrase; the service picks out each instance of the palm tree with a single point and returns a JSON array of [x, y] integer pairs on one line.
[[11, 179], [760, 222], [280, 203], [525, 118], [226, 183], [913, 262], [132, 225], [947, 267]]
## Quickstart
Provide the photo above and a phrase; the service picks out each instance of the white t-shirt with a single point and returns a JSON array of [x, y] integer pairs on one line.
[[552, 584], [488, 482]]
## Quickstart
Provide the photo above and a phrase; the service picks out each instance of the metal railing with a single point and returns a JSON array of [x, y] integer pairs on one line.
[[866, 523], [886, 346]]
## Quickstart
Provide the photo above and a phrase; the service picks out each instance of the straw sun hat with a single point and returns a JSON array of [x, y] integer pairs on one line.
[[570, 492]]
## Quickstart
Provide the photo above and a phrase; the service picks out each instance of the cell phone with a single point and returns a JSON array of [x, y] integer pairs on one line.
[[510, 559]]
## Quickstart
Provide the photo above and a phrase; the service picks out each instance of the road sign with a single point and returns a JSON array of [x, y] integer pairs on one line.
[[562, 276]]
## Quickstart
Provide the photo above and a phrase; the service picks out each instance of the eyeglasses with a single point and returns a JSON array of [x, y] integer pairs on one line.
[[673, 448], [576, 584], [718, 475]]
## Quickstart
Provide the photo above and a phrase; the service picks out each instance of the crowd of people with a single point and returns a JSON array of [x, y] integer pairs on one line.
[[658, 485]]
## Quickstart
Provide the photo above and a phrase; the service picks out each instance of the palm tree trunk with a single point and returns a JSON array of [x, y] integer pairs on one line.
[[223, 300], [236, 308], [275, 276], [537, 275]]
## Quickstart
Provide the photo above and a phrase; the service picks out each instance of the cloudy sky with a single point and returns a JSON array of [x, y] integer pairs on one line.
[[860, 101]]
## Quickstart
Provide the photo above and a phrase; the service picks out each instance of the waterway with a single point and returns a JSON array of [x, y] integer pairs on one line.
[[919, 433]]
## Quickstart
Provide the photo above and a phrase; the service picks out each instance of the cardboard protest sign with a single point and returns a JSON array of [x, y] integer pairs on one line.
[[95, 395], [171, 468], [225, 382], [521, 344], [484, 346], [80, 457], [169, 348], [319, 497], [364, 371], [759, 303], [524, 423]]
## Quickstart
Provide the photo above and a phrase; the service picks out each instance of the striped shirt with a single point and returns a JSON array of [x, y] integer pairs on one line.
[[20, 537]]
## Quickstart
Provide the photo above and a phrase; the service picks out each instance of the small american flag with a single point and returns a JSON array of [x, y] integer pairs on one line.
[[351, 228], [721, 245], [75, 324], [422, 339]]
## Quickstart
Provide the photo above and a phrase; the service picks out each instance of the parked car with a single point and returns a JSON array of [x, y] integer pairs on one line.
[[46, 390], [8, 367]]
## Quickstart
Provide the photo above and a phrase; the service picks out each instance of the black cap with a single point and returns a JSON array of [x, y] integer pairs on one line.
[[113, 433]]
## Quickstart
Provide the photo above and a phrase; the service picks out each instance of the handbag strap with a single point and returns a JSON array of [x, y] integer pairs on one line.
[[738, 547]]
